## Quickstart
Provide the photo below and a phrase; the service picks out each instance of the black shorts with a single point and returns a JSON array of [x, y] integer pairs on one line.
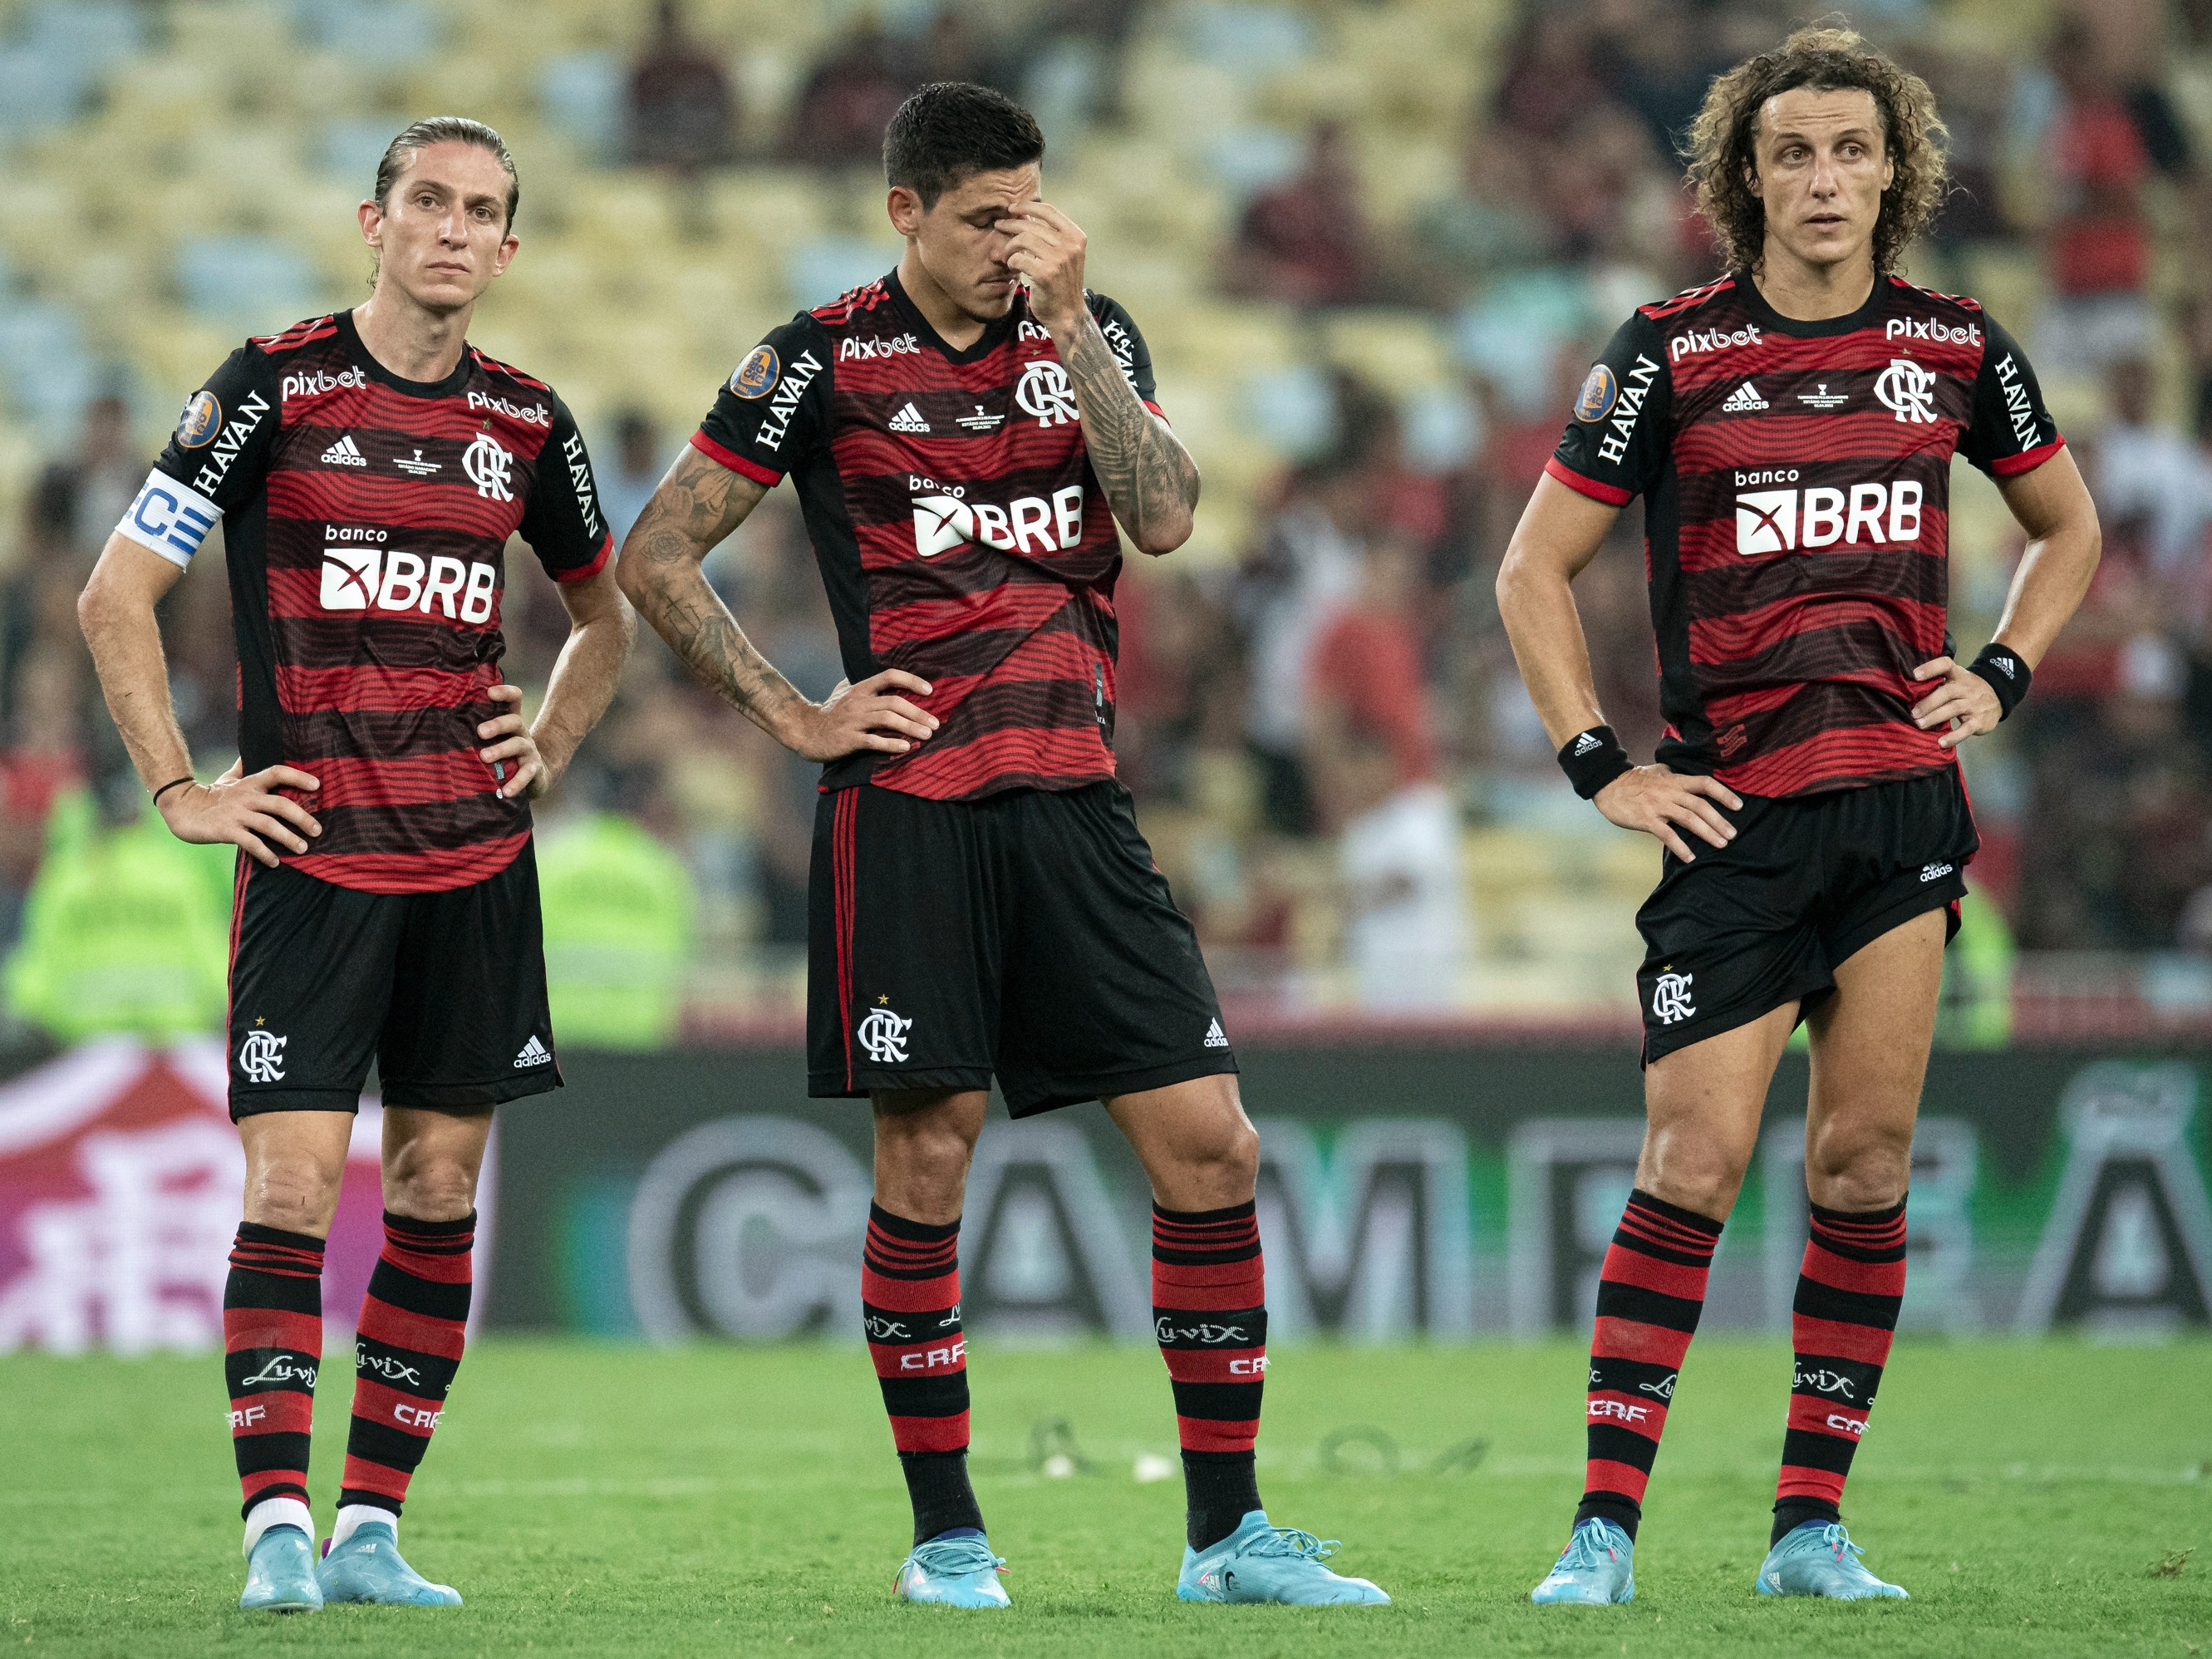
[[446, 990], [1744, 929], [1027, 935]]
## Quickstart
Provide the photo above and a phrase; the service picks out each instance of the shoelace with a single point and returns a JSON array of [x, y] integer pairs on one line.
[[949, 1557], [1836, 1541], [1587, 1547], [1289, 1541]]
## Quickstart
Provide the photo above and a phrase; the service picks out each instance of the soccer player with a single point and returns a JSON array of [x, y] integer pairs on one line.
[[964, 434], [1790, 428], [369, 467]]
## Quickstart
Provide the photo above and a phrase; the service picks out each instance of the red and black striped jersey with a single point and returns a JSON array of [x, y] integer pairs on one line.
[[1796, 478], [365, 519], [961, 533]]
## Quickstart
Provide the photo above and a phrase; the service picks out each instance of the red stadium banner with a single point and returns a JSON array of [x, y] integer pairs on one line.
[[120, 1179]]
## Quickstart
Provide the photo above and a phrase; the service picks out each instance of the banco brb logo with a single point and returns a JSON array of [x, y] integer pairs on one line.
[[883, 1034], [261, 1056]]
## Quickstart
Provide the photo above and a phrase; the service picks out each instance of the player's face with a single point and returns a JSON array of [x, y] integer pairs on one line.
[[958, 240], [441, 235], [1821, 171]]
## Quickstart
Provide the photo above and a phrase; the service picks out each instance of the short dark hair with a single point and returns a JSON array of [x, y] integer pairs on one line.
[[1724, 140], [445, 130], [950, 129]]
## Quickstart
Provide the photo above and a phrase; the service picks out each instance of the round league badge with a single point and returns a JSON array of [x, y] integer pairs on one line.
[[200, 419], [757, 373], [1599, 390]]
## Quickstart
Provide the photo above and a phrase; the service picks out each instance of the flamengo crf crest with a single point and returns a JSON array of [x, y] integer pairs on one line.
[[883, 1034], [1907, 390], [261, 1057], [1670, 998], [488, 464]]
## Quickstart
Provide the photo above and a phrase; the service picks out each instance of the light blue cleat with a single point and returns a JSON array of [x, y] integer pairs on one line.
[[1597, 1569], [1818, 1558], [1262, 1563], [280, 1574], [952, 1573], [366, 1567]]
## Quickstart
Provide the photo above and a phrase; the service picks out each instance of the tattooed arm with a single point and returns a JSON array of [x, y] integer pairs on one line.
[[1148, 475], [697, 505]]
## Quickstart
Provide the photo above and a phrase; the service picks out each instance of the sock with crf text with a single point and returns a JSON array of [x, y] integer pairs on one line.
[[272, 1338], [1849, 1290], [1649, 1293], [1209, 1312], [910, 1305], [414, 1323]]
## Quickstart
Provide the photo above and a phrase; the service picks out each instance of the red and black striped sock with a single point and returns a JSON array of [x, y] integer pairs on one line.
[[414, 1323], [910, 1305], [1649, 1293], [272, 1338], [1209, 1312], [1849, 1292]]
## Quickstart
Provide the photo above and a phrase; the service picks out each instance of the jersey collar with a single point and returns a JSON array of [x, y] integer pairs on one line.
[[366, 360], [1772, 320], [992, 336]]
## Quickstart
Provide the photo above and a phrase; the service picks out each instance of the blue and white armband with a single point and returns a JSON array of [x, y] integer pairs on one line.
[[169, 518]]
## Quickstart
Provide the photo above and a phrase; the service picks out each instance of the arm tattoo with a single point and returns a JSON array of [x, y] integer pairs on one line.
[[1149, 478], [698, 504]]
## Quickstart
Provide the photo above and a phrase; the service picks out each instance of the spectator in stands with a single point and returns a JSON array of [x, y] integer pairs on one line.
[[2099, 246], [849, 99], [682, 113], [1492, 224], [2153, 486], [1304, 241], [1550, 83], [625, 487], [80, 496], [45, 756], [1306, 561]]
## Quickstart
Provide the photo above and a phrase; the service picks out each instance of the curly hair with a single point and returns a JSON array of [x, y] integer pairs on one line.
[[1721, 150]]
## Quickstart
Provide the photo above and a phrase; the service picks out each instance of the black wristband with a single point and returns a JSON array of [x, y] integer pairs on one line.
[[1593, 759], [171, 784], [2007, 675]]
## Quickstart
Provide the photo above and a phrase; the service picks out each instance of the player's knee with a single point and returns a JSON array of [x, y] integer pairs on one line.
[[1693, 1173], [295, 1195], [1867, 1170], [432, 1190]]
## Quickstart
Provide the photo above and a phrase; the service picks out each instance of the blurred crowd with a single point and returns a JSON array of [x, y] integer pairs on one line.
[[1312, 728]]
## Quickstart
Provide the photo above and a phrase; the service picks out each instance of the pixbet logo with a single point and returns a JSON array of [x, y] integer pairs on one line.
[[854, 346], [1779, 521], [321, 382], [943, 521], [530, 414], [1717, 339], [370, 578], [1927, 328]]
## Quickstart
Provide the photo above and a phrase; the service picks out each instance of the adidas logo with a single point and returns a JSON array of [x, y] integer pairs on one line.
[[1587, 744], [1215, 1037], [533, 1053], [2004, 666], [342, 454], [1743, 398], [909, 420]]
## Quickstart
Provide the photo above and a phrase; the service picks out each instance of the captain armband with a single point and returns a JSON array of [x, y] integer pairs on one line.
[[1593, 759], [169, 518]]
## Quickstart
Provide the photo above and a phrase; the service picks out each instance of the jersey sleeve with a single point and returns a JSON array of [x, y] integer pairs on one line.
[[1616, 440], [213, 462], [774, 412], [561, 521], [2011, 432], [1128, 347]]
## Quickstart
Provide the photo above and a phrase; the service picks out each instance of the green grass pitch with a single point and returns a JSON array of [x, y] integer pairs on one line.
[[603, 1500]]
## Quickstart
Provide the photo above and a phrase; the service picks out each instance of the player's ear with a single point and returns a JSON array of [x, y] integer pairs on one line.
[[505, 257], [371, 215], [906, 210]]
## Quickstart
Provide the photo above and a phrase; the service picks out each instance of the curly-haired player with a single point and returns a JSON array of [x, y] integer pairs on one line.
[[1790, 428]]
